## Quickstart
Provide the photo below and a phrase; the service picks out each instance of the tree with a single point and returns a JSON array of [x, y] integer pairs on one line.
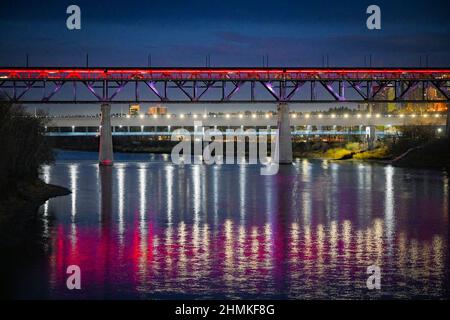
[[23, 146]]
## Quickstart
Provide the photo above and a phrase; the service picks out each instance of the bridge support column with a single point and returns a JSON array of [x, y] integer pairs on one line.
[[284, 145], [105, 156], [371, 136]]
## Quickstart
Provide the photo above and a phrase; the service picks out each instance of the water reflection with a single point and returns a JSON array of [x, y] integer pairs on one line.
[[170, 231]]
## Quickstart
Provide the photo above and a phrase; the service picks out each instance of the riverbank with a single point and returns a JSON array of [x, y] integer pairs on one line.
[[405, 153], [18, 210], [86, 228], [31, 193], [433, 155], [21, 230]]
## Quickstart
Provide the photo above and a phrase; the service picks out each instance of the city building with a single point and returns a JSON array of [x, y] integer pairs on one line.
[[157, 110], [134, 109]]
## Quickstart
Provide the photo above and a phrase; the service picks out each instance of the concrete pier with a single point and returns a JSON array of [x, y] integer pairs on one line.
[[284, 146], [371, 136], [105, 156]]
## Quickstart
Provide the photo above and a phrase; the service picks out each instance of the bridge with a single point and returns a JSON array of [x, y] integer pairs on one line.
[[300, 124], [105, 86], [211, 85]]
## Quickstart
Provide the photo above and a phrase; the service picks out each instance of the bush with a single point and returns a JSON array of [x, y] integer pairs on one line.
[[23, 146], [418, 133], [379, 153], [353, 146], [337, 153]]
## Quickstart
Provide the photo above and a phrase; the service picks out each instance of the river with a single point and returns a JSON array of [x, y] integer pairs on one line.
[[149, 229]]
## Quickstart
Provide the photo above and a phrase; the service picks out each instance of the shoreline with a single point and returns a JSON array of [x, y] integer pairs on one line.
[[432, 154], [22, 238], [33, 193], [19, 211], [389, 160]]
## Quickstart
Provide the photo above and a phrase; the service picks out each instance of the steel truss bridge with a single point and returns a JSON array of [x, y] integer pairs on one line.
[[222, 85]]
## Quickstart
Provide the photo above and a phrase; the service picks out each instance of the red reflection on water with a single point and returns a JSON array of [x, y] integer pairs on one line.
[[280, 257], [232, 260]]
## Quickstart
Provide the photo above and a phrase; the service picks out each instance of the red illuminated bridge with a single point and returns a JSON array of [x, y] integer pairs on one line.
[[219, 85]]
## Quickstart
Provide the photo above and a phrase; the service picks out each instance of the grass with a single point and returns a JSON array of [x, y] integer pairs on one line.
[[337, 153], [376, 154]]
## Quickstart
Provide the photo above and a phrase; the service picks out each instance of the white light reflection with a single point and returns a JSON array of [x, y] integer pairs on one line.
[[197, 189], [242, 183], [389, 204], [268, 245], [269, 195], [306, 192], [228, 262], [332, 199], [121, 194], [46, 173], [73, 173], [46, 177], [216, 195], [169, 184], [364, 191], [143, 230], [142, 190]]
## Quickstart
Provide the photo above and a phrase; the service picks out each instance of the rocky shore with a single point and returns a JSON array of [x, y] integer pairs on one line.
[[18, 210]]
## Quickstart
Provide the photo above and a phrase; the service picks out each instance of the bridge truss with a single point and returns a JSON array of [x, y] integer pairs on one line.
[[223, 85]]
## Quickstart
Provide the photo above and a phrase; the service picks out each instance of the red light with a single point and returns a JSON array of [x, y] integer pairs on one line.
[[211, 73]]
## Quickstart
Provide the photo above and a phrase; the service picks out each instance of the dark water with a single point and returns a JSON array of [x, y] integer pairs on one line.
[[149, 229]]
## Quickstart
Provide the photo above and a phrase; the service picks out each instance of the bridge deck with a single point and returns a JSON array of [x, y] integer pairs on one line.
[[207, 85]]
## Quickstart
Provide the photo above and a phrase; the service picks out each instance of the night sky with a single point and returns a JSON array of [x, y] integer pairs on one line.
[[234, 33]]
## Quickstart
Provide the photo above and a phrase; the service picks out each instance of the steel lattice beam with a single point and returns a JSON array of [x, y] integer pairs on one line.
[[179, 85]]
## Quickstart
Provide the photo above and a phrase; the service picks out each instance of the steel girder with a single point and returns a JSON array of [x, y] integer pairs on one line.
[[113, 85]]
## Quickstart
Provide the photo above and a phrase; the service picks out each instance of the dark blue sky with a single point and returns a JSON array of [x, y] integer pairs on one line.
[[234, 33]]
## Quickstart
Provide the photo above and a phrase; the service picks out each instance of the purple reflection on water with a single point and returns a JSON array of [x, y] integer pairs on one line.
[[151, 229]]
